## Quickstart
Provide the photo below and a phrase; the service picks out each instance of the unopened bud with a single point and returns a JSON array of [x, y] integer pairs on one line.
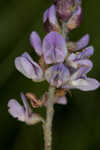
[[75, 19], [64, 8]]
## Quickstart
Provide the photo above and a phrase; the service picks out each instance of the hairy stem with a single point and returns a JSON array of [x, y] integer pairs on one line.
[[49, 118]]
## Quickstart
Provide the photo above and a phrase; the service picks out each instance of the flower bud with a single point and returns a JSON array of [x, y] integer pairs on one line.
[[75, 19], [64, 8]]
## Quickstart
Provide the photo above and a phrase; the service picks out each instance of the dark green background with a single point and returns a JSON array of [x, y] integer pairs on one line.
[[76, 126]]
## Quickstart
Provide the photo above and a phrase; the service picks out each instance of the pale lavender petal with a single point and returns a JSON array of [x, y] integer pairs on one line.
[[76, 61], [86, 53], [22, 69], [84, 63], [28, 67], [57, 75], [79, 73], [88, 84], [23, 113], [83, 42], [27, 56], [36, 43], [61, 100], [45, 15], [16, 110], [28, 110], [54, 48], [50, 20], [52, 15]]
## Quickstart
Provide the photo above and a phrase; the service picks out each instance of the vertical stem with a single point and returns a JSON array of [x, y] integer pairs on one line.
[[49, 118], [64, 31]]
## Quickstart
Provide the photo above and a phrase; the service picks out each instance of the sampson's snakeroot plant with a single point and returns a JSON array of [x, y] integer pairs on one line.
[[64, 64]]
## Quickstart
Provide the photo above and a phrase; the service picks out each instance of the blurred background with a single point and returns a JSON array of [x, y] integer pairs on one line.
[[76, 125]]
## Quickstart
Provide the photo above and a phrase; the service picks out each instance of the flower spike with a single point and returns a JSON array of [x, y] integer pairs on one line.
[[63, 63]]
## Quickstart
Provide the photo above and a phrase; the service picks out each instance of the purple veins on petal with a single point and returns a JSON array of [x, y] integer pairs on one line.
[[54, 48], [36, 43], [28, 67], [87, 52], [79, 80], [79, 73], [57, 75], [84, 63], [79, 60]]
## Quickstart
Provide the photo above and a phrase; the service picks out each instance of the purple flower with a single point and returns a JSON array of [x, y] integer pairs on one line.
[[57, 75], [78, 63], [76, 81], [54, 48], [28, 67], [80, 59], [82, 43], [23, 113], [50, 20], [87, 52]]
